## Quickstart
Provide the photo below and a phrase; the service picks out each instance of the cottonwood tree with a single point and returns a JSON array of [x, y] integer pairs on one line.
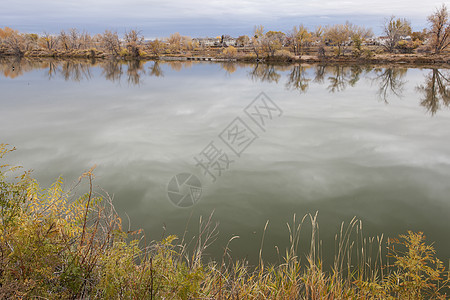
[[85, 40], [242, 41], [64, 40], [49, 41], [13, 40], [6, 32], [439, 29], [318, 39], [30, 41], [359, 34], [110, 41], [16, 43], [156, 47], [175, 41], [133, 41], [298, 38], [74, 38], [258, 40], [339, 35], [187, 43], [273, 41], [394, 29]]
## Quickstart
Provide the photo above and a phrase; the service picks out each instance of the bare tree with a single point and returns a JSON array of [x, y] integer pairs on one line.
[[318, 39], [187, 43], [339, 35], [394, 29], [13, 40], [273, 41], [257, 41], [175, 41], [133, 42], [110, 41], [64, 40], [156, 47], [16, 43], [30, 41], [85, 40], [298, 38], [49, 41], [74, 38], [440, 29], [359, 34]]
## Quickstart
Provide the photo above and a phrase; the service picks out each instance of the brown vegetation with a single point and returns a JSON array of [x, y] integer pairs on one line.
[[339, 42]]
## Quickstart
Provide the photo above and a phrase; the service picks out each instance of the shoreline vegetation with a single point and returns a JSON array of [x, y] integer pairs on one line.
[[441, 60], [55, 245], [347, 42]]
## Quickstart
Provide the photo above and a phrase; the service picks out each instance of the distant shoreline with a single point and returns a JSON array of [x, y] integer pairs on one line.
[[432, 60]]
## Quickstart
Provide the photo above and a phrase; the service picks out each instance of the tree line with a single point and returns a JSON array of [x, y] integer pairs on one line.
[[398, 37]]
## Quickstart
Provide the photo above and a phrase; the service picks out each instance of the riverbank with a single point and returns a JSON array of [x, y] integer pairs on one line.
[[416, 59]]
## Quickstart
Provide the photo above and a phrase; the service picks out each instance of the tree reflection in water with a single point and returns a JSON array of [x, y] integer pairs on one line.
[[265, 73], [391, 81], [297, 79], [112, 70], [155, 70], [229, 67], [135, 71], [341, 76], [75, 71], [319, 74], [435, 90]]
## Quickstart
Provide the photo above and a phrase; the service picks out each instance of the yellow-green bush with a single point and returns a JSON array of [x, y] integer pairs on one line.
[[124, 52], [230, 52]]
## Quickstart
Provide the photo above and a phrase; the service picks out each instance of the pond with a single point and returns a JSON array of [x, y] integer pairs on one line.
[[173, 141]]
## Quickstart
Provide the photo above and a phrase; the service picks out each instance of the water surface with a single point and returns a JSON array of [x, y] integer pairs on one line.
[[370, 142]]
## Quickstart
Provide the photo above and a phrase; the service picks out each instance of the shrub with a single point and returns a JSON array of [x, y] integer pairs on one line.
[[407, 46], [230, 52], [282, 56], [124, 52]]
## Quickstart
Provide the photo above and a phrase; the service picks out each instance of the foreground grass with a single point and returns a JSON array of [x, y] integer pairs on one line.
[[56, 247]]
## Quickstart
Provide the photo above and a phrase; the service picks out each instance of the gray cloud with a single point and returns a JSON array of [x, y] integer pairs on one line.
[[197, 17]]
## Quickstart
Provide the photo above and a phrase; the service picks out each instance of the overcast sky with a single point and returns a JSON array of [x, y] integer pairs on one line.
[[204, 17]]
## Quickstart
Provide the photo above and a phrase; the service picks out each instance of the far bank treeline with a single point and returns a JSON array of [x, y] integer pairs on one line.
[[332, 42]]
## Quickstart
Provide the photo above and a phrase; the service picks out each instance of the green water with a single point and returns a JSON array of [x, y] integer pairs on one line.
[[370, 142]]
